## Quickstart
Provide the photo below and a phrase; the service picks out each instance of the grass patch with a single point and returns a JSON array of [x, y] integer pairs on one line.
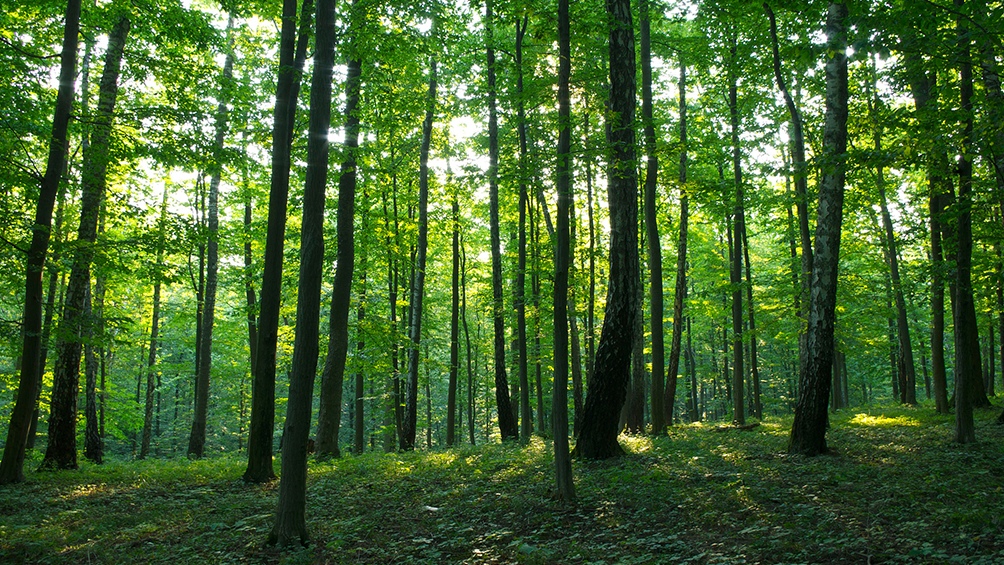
[[895, 490]]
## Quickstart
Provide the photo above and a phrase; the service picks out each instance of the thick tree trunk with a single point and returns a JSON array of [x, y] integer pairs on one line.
[[329, 415], [808, 431], [292, 53], [290, 518], [12, 464], [507, 424], [597, 437], [61, 452], [680, 291], [410, 426], [655, 300]]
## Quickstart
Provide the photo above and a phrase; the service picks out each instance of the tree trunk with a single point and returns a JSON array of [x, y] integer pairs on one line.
[[808, 431], [418, 281], [292, 54], [968, 365], [451, 395], [754, 366], [359, 423], [93, 450], [61, 452], [12, 464], [467, 340], [197, 439], [736, 254], [329, 415], [290, 518], [655, 300], [680, 292], [597, 437], [507, 424], [152, 370], [562, 252]]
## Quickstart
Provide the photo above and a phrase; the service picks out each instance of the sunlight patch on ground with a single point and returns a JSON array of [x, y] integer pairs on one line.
[[867, 420], [636, 443]]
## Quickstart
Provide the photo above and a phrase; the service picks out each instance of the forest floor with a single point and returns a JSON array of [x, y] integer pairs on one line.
[[895, 490]]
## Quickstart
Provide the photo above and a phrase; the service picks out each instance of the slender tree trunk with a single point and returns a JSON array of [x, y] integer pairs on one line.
[[526, 423], [61, 452], [562, 253], [754, 365], [655, 300], [359, 423], [922, 87], [507, 424], [451, 395], [93, 450], [968, 364], [332, 378], [467, 339], [808, 431], [152, 370], [197, 439], [680, 292], [799, 164], [292, 53], [418, 281], [597, 437], [736, 254], [290, 517]]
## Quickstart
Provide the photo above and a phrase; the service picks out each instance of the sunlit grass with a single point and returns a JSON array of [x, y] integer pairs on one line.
[[896, 490], [884, 421]]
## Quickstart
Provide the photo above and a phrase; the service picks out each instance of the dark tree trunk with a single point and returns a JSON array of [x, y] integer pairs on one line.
[[329, 415], [526, 423], [410, 424], [922, 87], [655, 300], [754, 365], [562, 262], [968, 365], [607, 387], [93, 450], [736, 252], [197, 439], [61, 452], [680, 291], [507, 423], [292, 54], [290, 518], [467, 340], [798, 163], [451, 395], [152, 371], [12, 465], [808, 431]]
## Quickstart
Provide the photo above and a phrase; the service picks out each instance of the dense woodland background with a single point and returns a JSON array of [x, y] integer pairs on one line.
[[171, 158]]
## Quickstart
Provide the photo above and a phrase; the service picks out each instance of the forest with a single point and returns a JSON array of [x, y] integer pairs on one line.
[[266, 253]]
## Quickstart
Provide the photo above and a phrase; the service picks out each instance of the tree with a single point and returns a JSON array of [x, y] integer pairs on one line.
[[507, 423], [290, 517], [151, 367], [197, 439], [418, 280], [292, 52], [559, 407], [808, 431], [12, 465], [680, 293], [61, 452], [330, 412], [652, 226], [607, 385]]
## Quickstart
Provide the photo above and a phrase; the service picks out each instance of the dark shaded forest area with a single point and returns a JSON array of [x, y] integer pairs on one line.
[[620, 282]]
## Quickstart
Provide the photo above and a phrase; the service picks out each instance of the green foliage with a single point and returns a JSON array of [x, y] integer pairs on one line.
[[896, 490]]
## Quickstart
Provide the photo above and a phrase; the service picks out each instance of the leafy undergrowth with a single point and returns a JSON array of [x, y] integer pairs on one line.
[[895, 490]]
